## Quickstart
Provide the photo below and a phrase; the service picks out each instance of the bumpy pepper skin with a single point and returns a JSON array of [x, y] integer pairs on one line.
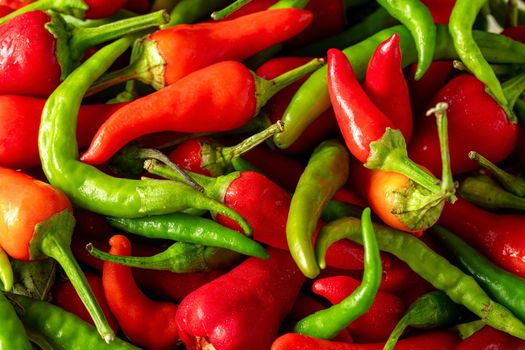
[[139, 317], [12, 335], [476, 123], [226, 313]]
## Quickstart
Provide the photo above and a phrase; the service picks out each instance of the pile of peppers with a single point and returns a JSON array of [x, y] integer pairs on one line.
[[262, 174]]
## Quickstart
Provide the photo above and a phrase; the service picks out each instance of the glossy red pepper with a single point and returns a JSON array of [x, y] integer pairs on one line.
[[220, 97], [475, 122], [320, 129], [386, 86], [15, 4], [4, 10], [19, 123], [171, 54], [489, 338], [65, 296], [139, 317], [440, 10], [226, 313], [424, 89], [497, 236], [438, 340], [376, 324]]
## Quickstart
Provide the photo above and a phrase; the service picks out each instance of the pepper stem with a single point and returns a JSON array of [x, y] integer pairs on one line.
[[52, 238], [73, 7], [447, 183], [6, 272], [397, 332], [84, 38], [284, 4], [228, 153], [265, 89], [228, 10], [512, 183], [485, 192], [513, 88]]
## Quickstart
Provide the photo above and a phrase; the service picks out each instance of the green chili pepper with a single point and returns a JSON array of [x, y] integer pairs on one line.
[[432, 310], [228, 10], [326, 324], [370, 25], [62, 330], [326, 172], [459, 287], [190, 229], [189, 11], [12, 333], [465, 330], [460, 27], [178, 258], [312, 98], [485, 192], [505, 287], [512, 183], [87, 186], [6, 272], [417, 18]]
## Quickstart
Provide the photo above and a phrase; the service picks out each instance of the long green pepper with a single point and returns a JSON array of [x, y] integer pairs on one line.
[[12, 333], [417, 18], [6, 272], [327, 323], [459, 287], [87, 186], [326, 172], [312, 98]]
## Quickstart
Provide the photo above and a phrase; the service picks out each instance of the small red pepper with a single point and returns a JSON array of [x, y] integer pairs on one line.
[[242, 309], [386, 86], [220, 97], [498, 236], [145, 322], [171, 54], [437, 340], [489, 338], [475, 122], [320, 129], [65, 296], [377, 323], [20, 120]]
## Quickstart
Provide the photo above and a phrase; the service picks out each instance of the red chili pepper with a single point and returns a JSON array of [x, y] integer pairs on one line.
[[20, 120], [4, 10], [220, 97], [65, 296], [15, 4], [36, 222], [498, 236], [475, 122], [440, 10], [226, 312], [320, 129], [171, 54], [386, 86], [437, 340], [377, 323], [145, 322], [103, 8], [423, 90], [31, 64], [489, 338], [517, 33]]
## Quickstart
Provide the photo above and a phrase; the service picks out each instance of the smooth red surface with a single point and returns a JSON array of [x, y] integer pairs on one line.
[[103, 8], [28, 65], [491, 339], [243, 308], [188, 155], [517, 33], [440, 9], [475, 123]]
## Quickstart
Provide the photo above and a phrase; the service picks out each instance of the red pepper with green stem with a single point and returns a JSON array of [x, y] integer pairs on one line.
[[170, 54], [316, 132], [145, 322], [44, 50], [19, 145], [37, 222], [220, 97], [226, 314]]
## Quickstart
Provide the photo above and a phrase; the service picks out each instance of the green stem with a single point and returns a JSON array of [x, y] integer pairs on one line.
[[268, 88], [447, 183], [167, 5], [6, 272], [485, 192], [285, 4], [178, 258], [466, 330], [73, 7], [511, 183], [52, 238], [228, 10], [512, 13], [512, 89], [154, 167], [244, 146], [84, 38]]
